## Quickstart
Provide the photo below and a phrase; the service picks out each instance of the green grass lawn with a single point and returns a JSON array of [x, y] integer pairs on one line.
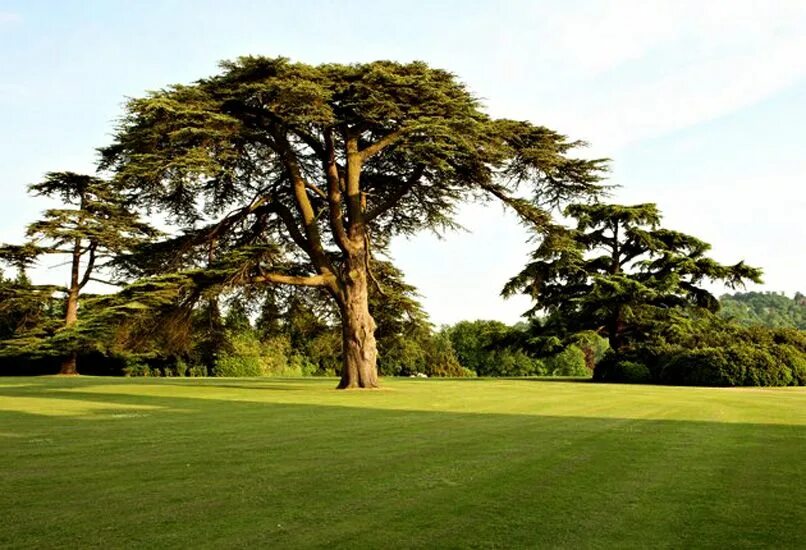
[[100, 462]]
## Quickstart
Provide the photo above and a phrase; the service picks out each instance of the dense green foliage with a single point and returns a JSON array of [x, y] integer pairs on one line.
[[431, 464], [705, 350], [25, 308], [491, 348], [618, 266], [769, 309], [250, 356], [476, 348], [620, 274]]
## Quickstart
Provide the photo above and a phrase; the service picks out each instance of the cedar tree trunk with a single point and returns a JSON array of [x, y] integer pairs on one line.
[[359, 351], [71, 316]]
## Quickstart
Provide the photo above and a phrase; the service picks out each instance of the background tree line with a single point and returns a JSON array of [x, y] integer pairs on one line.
[[285, 333], [769, 309], [276, 334]]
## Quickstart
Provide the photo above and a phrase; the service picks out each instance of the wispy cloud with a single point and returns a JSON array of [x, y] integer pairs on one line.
[[756, 218], [596, 36], [9, 17], [697, 92], [620, 72]]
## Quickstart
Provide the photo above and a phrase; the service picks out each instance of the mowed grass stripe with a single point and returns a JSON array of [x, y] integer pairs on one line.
[[487, 463]]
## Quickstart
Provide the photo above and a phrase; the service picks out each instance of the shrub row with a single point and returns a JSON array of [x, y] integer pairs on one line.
[[756, 357]]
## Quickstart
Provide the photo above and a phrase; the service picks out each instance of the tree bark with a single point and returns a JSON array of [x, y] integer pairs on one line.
[[359, 350], [69, 364]]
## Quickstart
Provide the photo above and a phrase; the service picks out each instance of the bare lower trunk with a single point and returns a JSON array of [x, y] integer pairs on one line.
[[69, 364], [359, 351]]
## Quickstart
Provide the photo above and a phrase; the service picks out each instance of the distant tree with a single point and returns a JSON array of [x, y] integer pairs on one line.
[[572, 354], [618, 272], [93, 226], [570, 361], [24, 308], [209, 331], [269, 316], [484, 347], [237, 317], [295, 173], [769, 309], [440, 358], [403, 329]]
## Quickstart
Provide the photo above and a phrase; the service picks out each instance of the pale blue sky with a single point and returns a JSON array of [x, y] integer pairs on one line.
[[701, 105]]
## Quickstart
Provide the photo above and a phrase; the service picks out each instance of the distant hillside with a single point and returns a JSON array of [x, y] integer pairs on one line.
[[765, 308]]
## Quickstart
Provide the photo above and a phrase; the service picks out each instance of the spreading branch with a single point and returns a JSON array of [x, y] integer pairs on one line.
[[380, 144], [526, 210], [105, 282], [279, 278], [302, 202], [334, 194], [287, 217], [90, 265], [316, 190]]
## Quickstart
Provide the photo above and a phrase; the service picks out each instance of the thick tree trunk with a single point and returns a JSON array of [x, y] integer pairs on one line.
[[359, 351]]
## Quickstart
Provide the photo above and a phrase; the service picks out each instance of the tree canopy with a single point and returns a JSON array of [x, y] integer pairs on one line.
[[619, 269], [288, 173]]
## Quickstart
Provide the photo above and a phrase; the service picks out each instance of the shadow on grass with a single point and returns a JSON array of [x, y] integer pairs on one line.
[[571, 379], [276, 386], [499, 378], [187, 471]]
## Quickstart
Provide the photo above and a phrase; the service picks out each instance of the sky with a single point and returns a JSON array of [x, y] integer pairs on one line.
[[700, 105]]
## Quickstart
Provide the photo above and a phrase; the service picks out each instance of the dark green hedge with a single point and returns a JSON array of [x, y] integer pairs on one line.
[[755, 356]]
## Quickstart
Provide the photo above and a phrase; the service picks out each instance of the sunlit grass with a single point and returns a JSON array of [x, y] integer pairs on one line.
[[422, 463]]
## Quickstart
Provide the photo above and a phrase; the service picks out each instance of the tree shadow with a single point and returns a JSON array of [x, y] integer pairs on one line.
[[187, 471], [566, 379]]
